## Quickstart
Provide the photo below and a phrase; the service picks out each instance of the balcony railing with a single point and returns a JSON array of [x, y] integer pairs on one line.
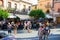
[[18, 12]]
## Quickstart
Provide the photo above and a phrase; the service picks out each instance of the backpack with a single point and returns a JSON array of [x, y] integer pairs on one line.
[[45, 30]]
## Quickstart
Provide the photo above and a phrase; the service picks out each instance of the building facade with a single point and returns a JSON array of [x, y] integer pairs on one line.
[[21, 7], [17, 4], [56, 10], [56, 6], [1, 2], [34, 7], [44, 5]]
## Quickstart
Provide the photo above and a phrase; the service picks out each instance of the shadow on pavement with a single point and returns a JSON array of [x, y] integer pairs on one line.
[[58, 26], [31, 38]]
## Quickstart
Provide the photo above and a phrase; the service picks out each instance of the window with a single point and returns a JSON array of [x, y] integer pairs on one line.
[[29, 8], [35, 7], [23, 10], [40, 4], [9, 4], [24, 7], [15, 6], [58, 9]]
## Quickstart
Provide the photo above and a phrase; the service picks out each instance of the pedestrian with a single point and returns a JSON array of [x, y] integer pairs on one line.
[[46, 32], [9, 28], [0, 25], [40, 32], [14, 29], [40, 23], [12, 23], [54, 25], [25, 25], [29, 26]]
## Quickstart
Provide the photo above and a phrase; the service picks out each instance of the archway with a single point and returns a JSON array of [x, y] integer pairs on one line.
[[48, 11]]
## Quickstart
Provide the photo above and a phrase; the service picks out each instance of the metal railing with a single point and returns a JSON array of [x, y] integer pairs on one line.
[[18, 12]]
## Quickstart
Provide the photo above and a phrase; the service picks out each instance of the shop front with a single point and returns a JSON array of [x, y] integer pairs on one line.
[[58, 20]]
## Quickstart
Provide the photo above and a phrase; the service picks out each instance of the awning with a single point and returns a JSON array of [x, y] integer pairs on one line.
[[11, 15], [55, 14], [48, 16], [23, 17]]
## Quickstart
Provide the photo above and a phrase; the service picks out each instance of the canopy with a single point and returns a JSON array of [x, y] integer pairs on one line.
[[23, 17], [11, 15], [48, 16]]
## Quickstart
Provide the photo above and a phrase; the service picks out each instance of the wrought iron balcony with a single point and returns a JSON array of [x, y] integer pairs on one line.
[[18, 12]]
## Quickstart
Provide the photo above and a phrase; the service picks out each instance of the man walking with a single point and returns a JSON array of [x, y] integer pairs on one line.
[[46, 32]]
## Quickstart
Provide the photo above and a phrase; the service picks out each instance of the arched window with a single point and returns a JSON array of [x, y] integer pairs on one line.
[[48, 11]]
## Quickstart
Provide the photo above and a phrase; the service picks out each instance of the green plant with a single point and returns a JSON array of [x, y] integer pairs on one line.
[[37, 13], [3, 14]]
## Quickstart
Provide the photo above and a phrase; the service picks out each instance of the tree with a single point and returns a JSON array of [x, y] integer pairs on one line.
[[3, 14], [37, 13]]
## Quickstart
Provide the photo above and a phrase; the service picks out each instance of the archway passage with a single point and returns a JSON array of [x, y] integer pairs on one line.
[[48, 11]]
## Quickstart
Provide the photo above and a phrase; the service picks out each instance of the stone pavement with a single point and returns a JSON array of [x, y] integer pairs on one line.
[[55, 31], [54, 35], [34, 33], [24, 35]]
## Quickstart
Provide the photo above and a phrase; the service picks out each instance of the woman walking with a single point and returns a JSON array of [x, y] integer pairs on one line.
[[14, 30], [25, 25], [28, 26]]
